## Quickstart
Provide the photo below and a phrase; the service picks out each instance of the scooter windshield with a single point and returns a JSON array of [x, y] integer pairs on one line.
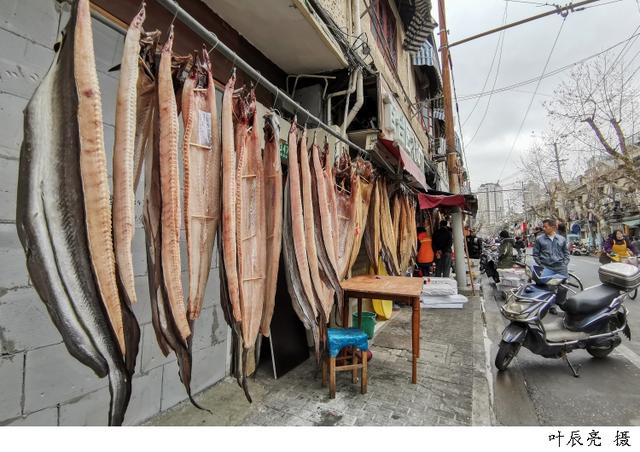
[[542, 275]]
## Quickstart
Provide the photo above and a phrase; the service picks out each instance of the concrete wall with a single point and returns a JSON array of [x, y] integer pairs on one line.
[[40, 383]]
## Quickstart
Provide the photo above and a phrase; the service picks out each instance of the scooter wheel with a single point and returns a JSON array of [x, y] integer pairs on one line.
[[506, 352], [600, 352]]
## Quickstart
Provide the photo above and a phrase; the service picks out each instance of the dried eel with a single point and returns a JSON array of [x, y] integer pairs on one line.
[[273, 195], [51, 224], [123, 155], [170, 191], [201, 163]]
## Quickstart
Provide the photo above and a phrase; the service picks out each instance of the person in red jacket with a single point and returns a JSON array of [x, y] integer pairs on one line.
[[425, 251]]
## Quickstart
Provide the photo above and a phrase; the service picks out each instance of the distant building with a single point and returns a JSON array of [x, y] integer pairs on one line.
[[490, 206]]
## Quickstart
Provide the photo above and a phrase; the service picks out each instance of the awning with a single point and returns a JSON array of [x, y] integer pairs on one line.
[[407, 163], [424, 56], [632, 223], [418, 15], [434, 198]]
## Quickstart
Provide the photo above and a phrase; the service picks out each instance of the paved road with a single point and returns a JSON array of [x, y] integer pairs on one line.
[[539, 391]]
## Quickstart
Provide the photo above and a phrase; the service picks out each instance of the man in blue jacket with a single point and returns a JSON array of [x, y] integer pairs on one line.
[[550, 249]]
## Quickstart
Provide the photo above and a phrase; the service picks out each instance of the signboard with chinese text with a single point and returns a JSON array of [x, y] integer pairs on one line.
[[397, 127]]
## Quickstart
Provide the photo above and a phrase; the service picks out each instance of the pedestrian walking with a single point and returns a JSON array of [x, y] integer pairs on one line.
[[425, 251], [442, 244]]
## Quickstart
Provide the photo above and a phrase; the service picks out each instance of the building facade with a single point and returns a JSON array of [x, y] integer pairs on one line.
[[490, 207]]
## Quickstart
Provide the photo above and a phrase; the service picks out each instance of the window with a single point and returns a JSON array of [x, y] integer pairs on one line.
[[383, 24]]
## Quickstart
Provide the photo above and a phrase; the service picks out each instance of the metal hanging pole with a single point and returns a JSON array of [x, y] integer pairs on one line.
[[209, 37]]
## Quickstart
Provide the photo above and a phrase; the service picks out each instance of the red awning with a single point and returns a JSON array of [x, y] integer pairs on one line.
[[431, 201], [407, 163]]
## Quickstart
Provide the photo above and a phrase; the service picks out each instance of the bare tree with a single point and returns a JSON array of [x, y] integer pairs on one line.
[[538, 165], [596, 107]]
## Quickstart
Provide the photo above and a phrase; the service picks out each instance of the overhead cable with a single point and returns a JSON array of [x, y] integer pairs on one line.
[[495, 80], [495, 54], [526, 114], [550, 73]]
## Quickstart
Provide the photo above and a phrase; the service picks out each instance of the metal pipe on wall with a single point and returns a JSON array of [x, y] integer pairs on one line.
[[210, 38]]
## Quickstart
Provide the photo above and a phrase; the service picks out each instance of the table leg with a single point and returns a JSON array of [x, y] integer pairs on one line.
[[415, 338], [360, 313], [345, 311]]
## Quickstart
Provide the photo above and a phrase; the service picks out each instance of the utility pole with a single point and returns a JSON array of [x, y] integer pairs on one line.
[[452, 158]]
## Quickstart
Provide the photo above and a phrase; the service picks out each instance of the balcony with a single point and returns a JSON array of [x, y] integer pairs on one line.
[[287, 32]]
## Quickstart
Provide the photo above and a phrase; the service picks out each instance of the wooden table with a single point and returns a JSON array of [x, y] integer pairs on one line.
[[396, 288]]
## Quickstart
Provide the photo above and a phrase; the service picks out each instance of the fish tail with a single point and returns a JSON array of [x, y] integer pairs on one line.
[[120, 390], [245, 384], [131, 327], [185, 362]]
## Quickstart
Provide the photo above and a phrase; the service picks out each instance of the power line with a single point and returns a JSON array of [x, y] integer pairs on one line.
[[550, 73], [532, 98], [495, 80], [495, 53], [601, 4], [529, 3]]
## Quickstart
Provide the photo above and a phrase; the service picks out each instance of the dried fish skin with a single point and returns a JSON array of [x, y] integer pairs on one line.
[[123, 155], [273, 190], [201, 163], [170, 191], [252, 231], [323, 294], [50, 219], [229, 233]]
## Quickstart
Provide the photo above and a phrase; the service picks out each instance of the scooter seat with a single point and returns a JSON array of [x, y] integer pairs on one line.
[[590, 300]]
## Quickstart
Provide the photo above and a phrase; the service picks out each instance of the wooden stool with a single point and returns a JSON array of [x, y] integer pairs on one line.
[[337, 339]]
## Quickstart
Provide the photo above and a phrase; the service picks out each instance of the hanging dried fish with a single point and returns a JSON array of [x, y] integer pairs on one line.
[[123, 156], [324, 232], [387, 233], [229, 238], [346, 204], [372, 235], [170, 191], [146, 99], [323, 293], [250, 210], [273, 195], [95, 185], [301, 305], [364, 171], [50, 216], [298, 237], [201, 163], [327, 160]]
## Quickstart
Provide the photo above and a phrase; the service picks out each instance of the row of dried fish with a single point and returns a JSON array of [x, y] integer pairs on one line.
[[251, 233], [79, 249], [391, 234], [65, 220], [326, 208], [64, 214]]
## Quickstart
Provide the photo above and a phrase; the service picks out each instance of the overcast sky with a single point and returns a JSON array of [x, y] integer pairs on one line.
[[525, 51]]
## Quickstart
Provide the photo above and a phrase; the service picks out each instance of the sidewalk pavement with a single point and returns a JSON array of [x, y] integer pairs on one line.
[[452, 385]]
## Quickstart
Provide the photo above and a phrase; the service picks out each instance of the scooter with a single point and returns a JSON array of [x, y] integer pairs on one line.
[[592, 319], [488, 263]]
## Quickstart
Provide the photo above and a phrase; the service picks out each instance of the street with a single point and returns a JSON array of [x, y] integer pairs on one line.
[[541, 391]]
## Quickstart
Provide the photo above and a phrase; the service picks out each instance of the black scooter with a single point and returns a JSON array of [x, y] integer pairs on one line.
[[591, 320]]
